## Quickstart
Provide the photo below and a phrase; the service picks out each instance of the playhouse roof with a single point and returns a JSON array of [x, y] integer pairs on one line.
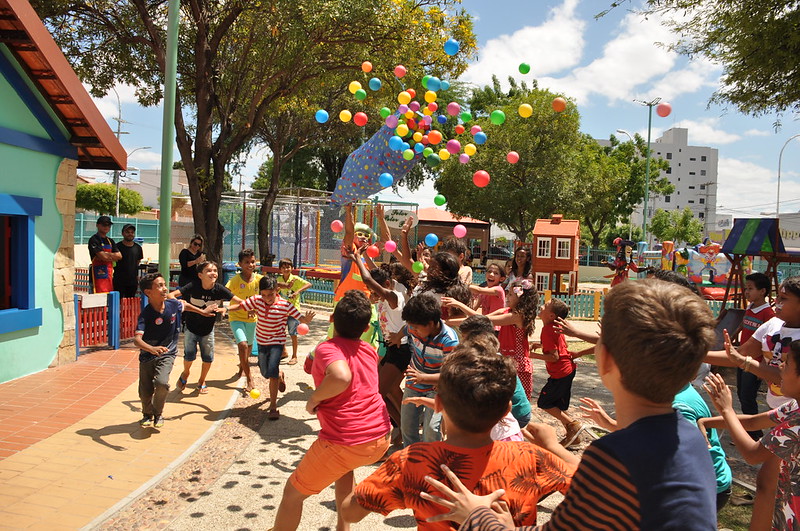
[[753, 236], [33, 47], [557, 226], [438, 215]]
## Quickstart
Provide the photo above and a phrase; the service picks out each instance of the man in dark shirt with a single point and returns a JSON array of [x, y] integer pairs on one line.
[[103, 252], [126, 270]]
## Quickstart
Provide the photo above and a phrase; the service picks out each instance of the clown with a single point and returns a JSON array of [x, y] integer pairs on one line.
[[622, 262], [356, 236]]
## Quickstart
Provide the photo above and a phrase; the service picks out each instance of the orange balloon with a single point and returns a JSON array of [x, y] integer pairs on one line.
[[434, 137], [559, 104], [366, 66]]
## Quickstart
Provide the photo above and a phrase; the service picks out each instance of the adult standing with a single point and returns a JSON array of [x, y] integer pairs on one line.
[[103, 252], [126, 270], [189, 258]]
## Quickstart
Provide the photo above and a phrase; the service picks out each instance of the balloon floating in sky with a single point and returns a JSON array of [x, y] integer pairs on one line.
[[466, 117], [361, 94], [386, 180], [498, 117], [463, 158], [512, 157], [474, 130], [524, 68], [431, 240], [353, 87], [525, 110], [480, 178], [453, 146], [366, 66], [451, 46], [360, 119], [321, 116], [453, 108], [375, 84], [302, 329], [337, 225], [459, 231], [439, 200], [345, 116], [399, 71], [663, 109], [434, 83], [470, 149], [460, 129], [480, 138], [390, 246], [559, 104], [373, 251], [417, 267]]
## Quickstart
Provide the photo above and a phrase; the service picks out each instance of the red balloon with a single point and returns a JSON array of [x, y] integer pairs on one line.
[[360, 119], [411, 123], [663, 109], [302, 329], [433, 106], [559, 104], [399, 71], [480, 178], [337, 225], [412, 93], [512, 157], [460, 129], [373, 251]]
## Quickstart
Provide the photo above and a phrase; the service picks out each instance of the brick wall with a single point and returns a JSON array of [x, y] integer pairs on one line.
[[64, 267]]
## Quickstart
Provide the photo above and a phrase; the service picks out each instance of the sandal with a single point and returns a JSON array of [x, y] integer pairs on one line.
[[203, 389], [292, 361], [273, 414], [181, 383], [282, 384]]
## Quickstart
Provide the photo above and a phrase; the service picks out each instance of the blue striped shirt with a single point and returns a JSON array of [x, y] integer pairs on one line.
[[428, 353]]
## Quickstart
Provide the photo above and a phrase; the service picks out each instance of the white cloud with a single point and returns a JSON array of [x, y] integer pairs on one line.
[[756, 132], [749, 189], [706, 132], [108, 103], [698, 74], [553, 46], [144, 159]]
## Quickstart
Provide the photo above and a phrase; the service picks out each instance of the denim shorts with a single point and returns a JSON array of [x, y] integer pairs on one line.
[[190, 343], [292, 323], [269, 357]]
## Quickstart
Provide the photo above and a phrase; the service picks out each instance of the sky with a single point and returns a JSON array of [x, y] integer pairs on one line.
[[603, 65]]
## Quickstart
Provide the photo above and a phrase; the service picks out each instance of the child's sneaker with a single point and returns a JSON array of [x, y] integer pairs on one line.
[[146, 421], [573, 430], [159, 423]]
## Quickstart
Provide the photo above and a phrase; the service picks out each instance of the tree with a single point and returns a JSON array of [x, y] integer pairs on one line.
[[755, 42], [535, 187], [102, 198], [679, 226], [236, 59]]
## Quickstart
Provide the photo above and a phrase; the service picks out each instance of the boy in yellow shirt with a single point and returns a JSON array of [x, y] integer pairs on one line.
[[243, 324]]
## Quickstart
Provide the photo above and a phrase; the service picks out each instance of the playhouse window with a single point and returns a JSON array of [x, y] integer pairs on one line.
[[17, 237], [542, 281], [543, 247], [563, 248]]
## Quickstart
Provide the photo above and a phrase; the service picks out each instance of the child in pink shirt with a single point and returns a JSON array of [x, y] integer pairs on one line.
[[352, 413], [491, 297]]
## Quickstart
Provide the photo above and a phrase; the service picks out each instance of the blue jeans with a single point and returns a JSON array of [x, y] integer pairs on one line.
[[411, 416], [269, 357], [190, 343]]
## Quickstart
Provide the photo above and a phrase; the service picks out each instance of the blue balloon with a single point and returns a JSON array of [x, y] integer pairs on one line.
[[419, 147], [386, 180], [375, 83], [406, 146], [442, 119], [445, 85], [431, 240], [451, 47], [321, 116], [434, 83], [396, 143], [479, 137]]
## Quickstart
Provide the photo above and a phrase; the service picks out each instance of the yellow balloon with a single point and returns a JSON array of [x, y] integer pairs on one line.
[[470, 149], [409, 114], [427, 112], [404, 98], [444, 154], [525, 110], [417, 137], [430, 96], [402, 130], [345, 115], [354, 87]]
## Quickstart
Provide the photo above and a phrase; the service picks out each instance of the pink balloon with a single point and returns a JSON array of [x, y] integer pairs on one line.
[[663, 109], [459, 231], [302, 329], [399, 71], [391, 121], [337, 225], [463, 158], [480, 178], [402, 109], [390, 246], [414, 106], [475, 129], [453, 108], [512, 157], [427, 119], [453, 146]]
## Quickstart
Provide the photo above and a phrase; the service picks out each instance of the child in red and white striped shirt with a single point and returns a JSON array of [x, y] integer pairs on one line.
[[273, 312]]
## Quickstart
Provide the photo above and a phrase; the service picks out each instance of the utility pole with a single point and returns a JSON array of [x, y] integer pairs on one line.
[[244, 215], [705, 210], [119, 132]]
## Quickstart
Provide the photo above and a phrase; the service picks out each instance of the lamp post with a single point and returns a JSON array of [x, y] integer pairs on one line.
[[630, 218], [649, 104], [117, 179], [780, 157]]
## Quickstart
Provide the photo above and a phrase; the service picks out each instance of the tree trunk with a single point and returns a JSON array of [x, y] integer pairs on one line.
[[266, 207]]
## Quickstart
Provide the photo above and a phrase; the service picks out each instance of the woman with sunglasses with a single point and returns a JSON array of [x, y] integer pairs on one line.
[[189, 258]]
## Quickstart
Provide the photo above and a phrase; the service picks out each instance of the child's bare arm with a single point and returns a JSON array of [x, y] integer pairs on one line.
[[591, 410], [337, 378], [420, 401], [550, 355], [721, 358], [760, 421], [568, 329], [544, 436], [478, 290], [418, 376], [307, 317], [583, 352], [138, 340]]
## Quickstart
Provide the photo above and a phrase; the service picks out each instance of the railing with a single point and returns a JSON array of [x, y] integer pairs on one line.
[[129, 315], [82, 279], [97, 321], [582, 305]]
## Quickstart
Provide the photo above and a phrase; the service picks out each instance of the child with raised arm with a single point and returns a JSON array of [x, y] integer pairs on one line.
[[273, 312], [475, 388], [654, 471], [353, 418], [491, 297], [291, 288], [243, 324]]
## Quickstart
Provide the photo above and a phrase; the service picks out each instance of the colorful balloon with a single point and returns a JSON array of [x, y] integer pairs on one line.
[[559, 104], [431, 239], [460, 129], [392, 121], [451, 46], [525, 110], [385, 112], [390, 246], [321, 116], [475, 129], [417, 267], [434, 137], [402, 130], [427, 152], [434, 84], [366, 66], [302, 329], [465, 117], [373, 251], [444, 154], [337, 225], [512, 157], [360, 119], [459, 231], [255, 393], [375, 84], [424, 80], [480, 138], [399, 71], [439, 200], [445, 85], [470, 149], [408, 154], [345, 116], [395, 143], [386, 180], [353, 87], [404, 98], [412, 92], [524, 68], [433, 106], [663, 109], [480, 178], [413, 106], [441, 119], [453, 146], [453, 108], [463, 158], [498, 117], [430, 96], [433, 159]]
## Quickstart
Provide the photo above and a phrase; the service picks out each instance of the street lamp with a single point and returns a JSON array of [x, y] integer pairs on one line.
[[117, 179], [780, 157], [649, 104], [630, 218]]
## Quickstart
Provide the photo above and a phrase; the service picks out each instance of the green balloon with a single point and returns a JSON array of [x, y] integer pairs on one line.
[[433, 160], [408, 154], [425, 81], [427, 151], [465, 117], [385, 112], [498, 117], [417, 267], [439, 200], [361, 94], [524, 68]]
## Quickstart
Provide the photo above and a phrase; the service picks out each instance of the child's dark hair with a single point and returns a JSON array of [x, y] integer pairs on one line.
[[405, 277], [203, 265], [559, 307], [475, 325], [267, 283], [657, 336], [794, 352], [146, 282], [675, 278], [760, 281], [246, 253], [285, 262], [454, 245], [475, 387], [500, 271], [526, 269], [352, 314], [446, 276], [527, 305], [379, 275], [422, 309], [792, 285], [461, 293]]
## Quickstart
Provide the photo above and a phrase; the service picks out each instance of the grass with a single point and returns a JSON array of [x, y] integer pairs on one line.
[[732, 517]]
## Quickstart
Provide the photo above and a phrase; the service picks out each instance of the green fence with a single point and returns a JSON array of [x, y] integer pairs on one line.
[[86, 226]]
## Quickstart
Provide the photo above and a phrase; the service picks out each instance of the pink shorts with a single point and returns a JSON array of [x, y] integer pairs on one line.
[[325, 462]]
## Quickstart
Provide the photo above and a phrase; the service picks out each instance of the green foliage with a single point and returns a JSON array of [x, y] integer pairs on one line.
[[679, 226], [102, 198]]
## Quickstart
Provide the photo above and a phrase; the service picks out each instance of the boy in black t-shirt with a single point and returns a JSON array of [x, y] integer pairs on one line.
[[126, 270]]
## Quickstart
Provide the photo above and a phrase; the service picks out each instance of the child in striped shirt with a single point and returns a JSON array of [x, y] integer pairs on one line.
[[273, 313]]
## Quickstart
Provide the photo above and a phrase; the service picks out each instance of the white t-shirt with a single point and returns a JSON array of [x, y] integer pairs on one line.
[[391, 320], [507, 429], [775, 339]]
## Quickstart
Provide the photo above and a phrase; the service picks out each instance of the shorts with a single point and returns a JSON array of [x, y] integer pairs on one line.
[[556, 393], [326, 462], [190, 343], [292, 323], [243, 331], [269, 358], [400, 356]]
